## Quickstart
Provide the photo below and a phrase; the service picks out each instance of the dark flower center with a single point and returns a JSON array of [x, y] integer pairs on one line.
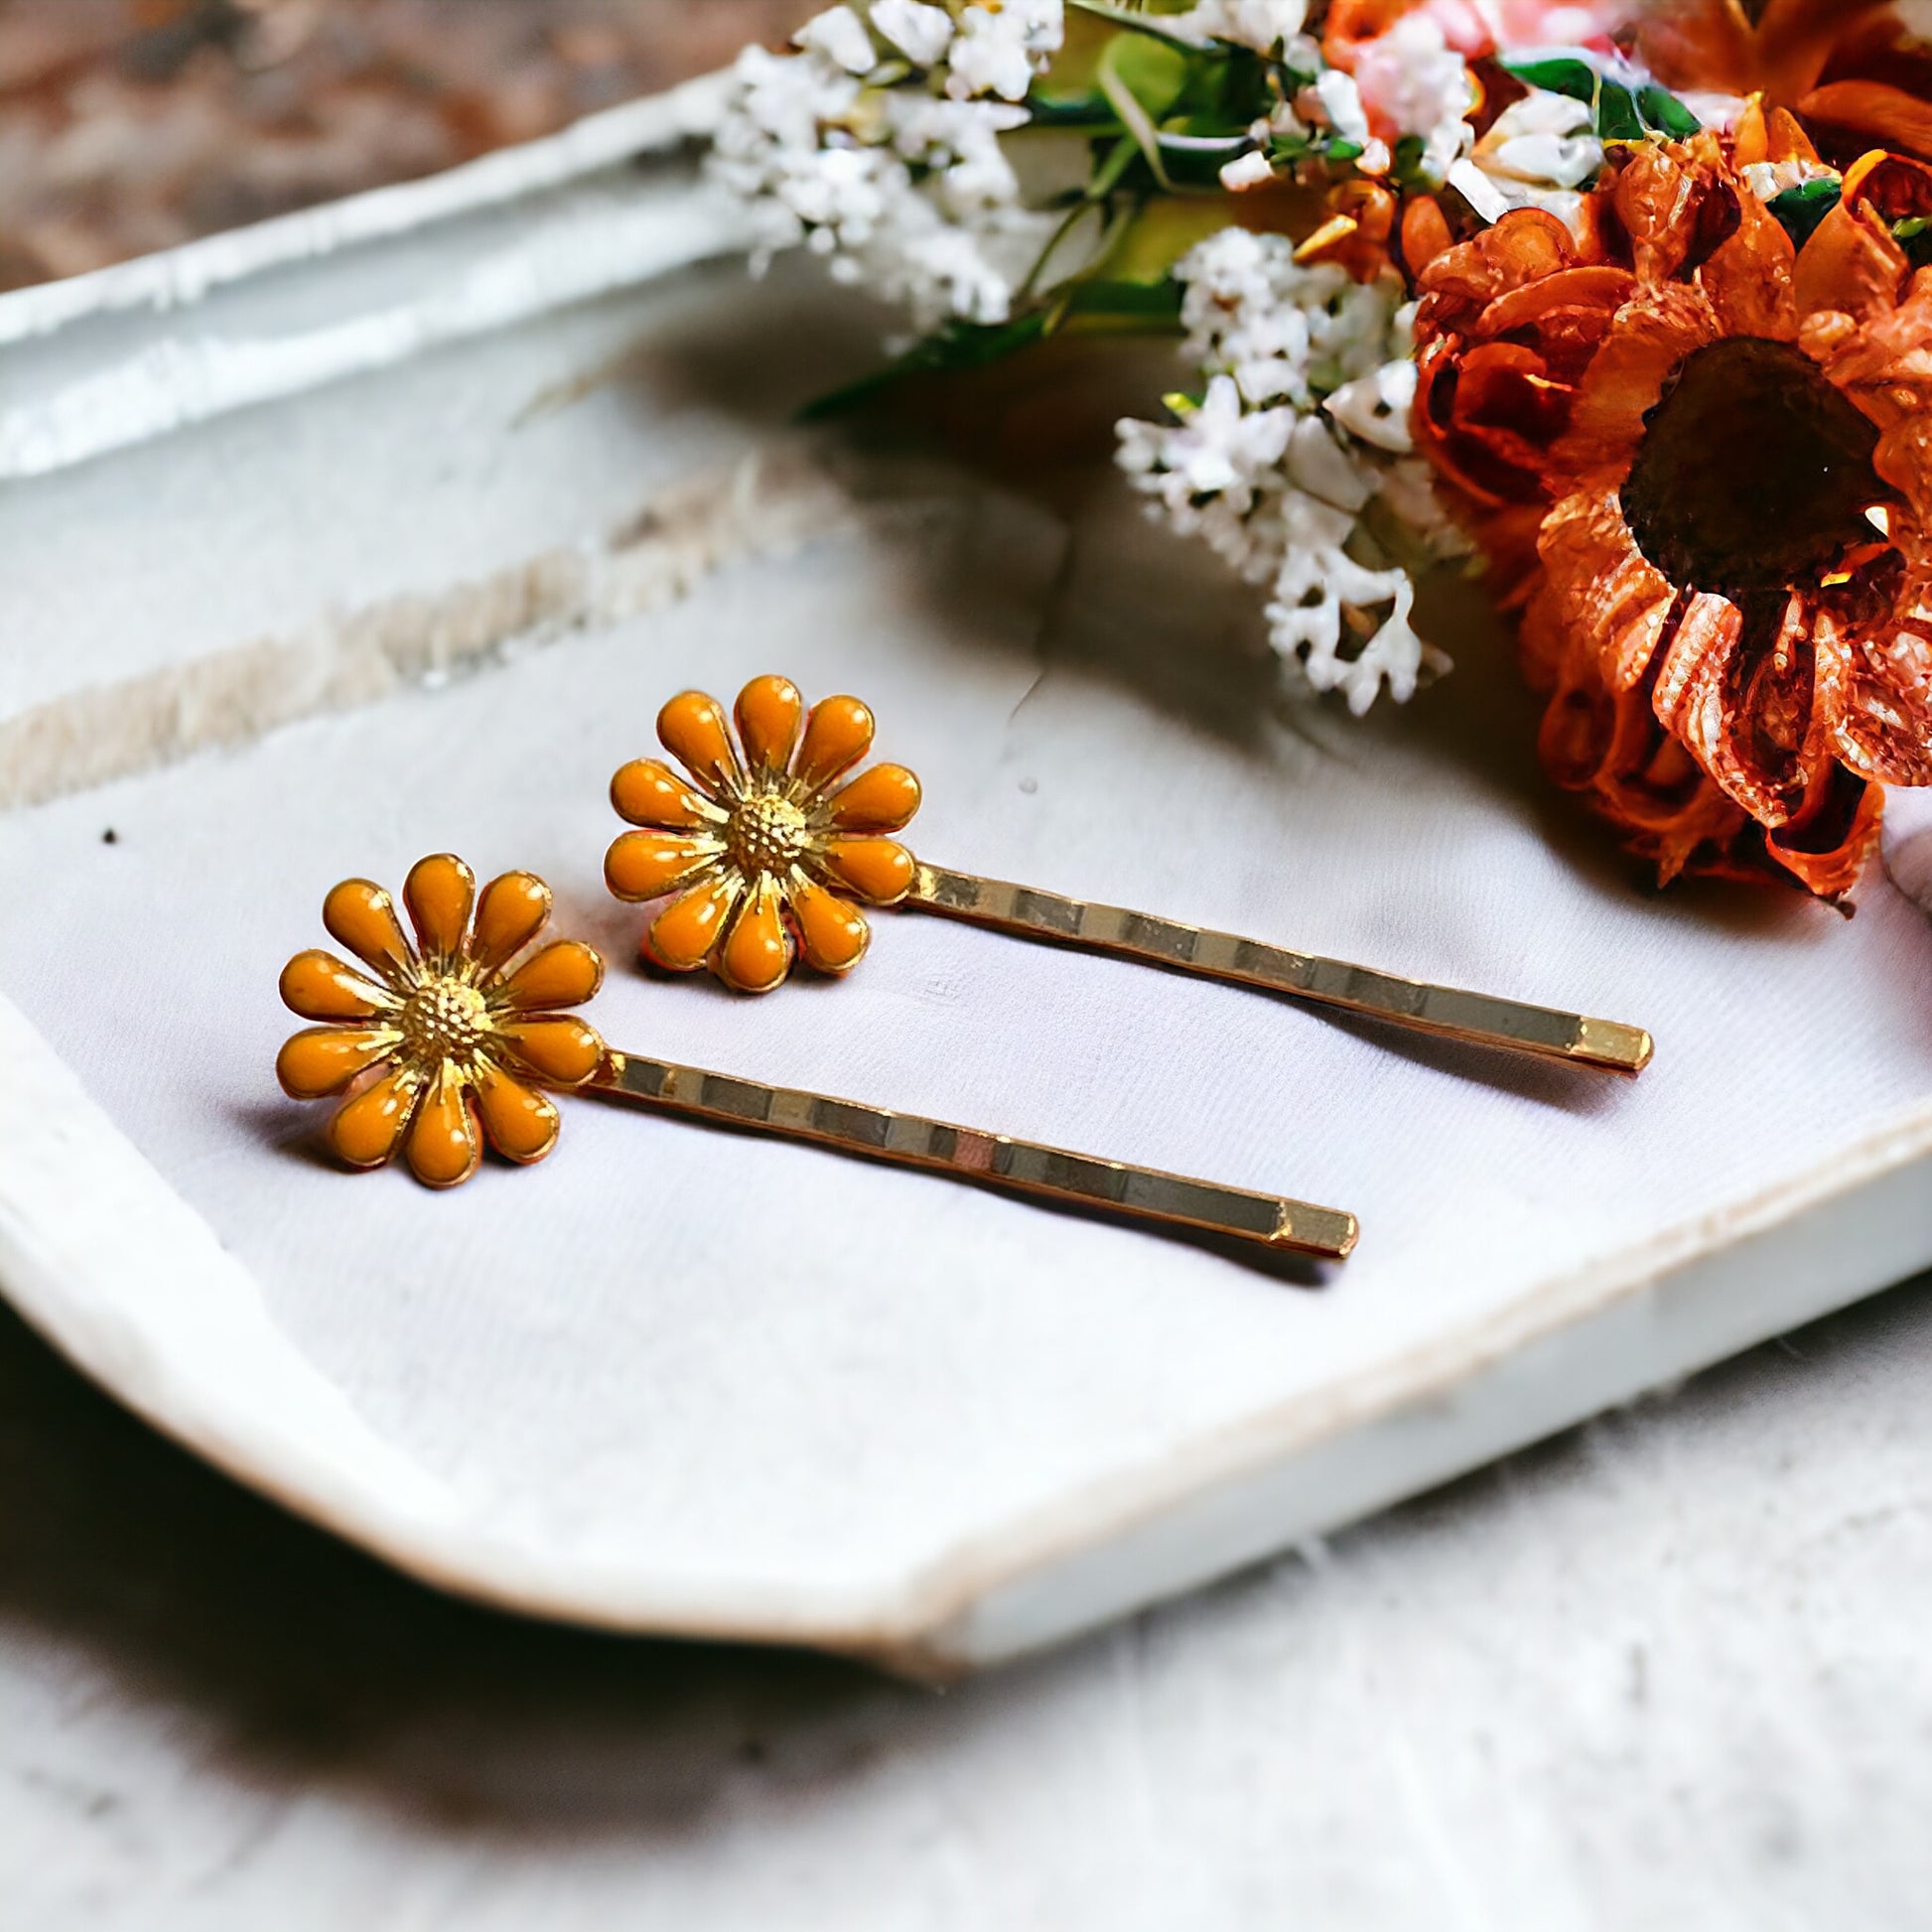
[[1755, 474]]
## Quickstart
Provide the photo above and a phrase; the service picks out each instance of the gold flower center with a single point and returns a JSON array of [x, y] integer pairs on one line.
[[767, 834], [445, 1019]]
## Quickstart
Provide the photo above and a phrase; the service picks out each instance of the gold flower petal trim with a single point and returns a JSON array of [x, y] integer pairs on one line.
[[764, 848], [441, 1046]]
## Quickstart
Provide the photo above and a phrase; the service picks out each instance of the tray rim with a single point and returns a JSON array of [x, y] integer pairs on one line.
[[1058, 1571]]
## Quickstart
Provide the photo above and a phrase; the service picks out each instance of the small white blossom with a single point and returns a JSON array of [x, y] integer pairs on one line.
[[919, 32], [1001, 46], [1266, 26], [1335, 100], [1412, 80], [840, 35], [1375, 408], [1481, 193], [1284, 332], [1319, 467], [1770, 179], [1544, 140], [1305, 424], [1721, 113], [1219, 449], [1251, 170], [1309, 619], [906, 192]]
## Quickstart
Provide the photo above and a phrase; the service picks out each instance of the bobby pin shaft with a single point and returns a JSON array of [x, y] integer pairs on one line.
[[1143, 1193], [1475, 1017]]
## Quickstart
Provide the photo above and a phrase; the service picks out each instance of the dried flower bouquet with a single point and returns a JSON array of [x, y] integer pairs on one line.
[[1624, 294]]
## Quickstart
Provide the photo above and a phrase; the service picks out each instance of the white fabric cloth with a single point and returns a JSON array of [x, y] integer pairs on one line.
[[757, 1363]]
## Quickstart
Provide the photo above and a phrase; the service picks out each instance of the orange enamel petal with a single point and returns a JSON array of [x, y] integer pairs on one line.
[[438, 891], [518, 1122], [879, 800], [770, 710], [832, 931], [647, 865], [443, 1144], [319, 985], [692, 728], [838, 735], [879, 871], [757, 952], [366, 1130], [325, 1059], [562, 975], [565, 1052], [361, 915], [687, 929], [512, 910], [647, 791]]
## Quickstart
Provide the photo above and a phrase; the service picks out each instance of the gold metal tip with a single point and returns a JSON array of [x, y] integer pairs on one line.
[[1322, 1231], [1046, 1173], [1476, 1018], [1613, 1046]]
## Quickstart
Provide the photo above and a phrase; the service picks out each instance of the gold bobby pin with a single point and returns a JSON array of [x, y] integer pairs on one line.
[[766, 854], [447, 1046]]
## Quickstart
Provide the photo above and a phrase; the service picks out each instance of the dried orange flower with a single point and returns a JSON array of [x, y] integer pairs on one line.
[[1703, 456], [758, 846], [443, 1045]]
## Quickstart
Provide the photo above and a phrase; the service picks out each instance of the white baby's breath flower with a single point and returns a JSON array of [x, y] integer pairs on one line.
[[840, 35], [906, 192], [1219, 449], [921, 31], [1319, 598], [1305, 425], [1283, 331], [1001, 46]]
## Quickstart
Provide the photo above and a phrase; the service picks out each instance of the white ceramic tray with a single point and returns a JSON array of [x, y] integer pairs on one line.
[[430, 594]]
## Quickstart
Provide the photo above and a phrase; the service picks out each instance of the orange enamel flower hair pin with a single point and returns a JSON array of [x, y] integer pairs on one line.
[[767, 849], [441, 1047]]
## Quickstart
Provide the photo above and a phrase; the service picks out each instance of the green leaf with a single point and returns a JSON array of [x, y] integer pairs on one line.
[[1156, 303], [1914, 235], [1139, 22], [1408, 154], [1118, 75], [1665, 112], [1155, 72], [957, 346], [1802, 209], [1575, 78], [1618, 118], [1070, 108], [1106, 177]]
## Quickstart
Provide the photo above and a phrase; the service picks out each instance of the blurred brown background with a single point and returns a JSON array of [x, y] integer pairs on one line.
[[129, 125]]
